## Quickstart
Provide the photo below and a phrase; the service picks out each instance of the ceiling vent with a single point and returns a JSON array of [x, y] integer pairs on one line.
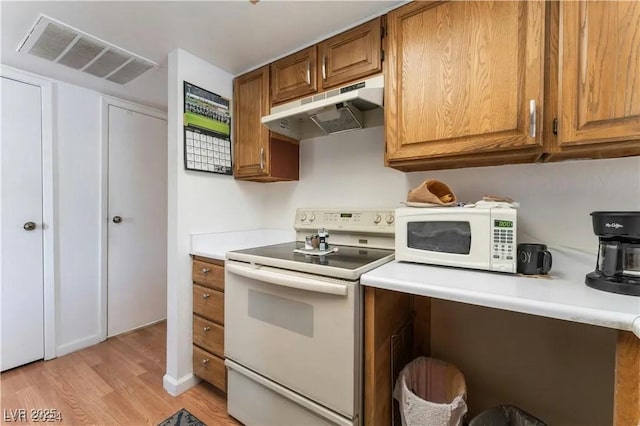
[[54, 41]]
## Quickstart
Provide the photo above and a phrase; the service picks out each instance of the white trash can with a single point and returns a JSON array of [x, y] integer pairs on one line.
[[431, 392]]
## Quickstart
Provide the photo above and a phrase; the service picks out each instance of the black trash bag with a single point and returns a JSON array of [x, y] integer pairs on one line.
[[505, 415]]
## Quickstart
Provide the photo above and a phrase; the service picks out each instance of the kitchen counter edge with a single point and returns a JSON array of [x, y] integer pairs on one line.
[[564, 296], [215, 245]]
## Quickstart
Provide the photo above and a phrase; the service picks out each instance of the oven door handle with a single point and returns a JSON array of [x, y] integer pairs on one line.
[[286, 280]]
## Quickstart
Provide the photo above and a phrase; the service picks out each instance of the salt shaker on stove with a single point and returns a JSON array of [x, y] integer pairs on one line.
[[323, 234]]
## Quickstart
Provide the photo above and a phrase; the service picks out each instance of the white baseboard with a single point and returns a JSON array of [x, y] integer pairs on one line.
[[175, 387], [78, 344]]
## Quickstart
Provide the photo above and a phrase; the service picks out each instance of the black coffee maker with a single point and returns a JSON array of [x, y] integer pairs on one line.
[[618, 267]]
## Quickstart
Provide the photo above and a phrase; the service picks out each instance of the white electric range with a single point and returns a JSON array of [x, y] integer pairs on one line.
[[293, 322]]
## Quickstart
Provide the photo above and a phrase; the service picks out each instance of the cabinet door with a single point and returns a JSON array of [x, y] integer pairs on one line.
[[251, 102], [294, 76], [599, 72], [351, 55], [464, 78]]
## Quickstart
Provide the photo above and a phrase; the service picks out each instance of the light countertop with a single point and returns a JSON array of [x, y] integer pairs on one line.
[[564, 296], [215, 245]]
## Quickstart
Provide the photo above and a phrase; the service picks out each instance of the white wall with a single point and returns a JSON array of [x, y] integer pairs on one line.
[[198, 202], [561, 371], [77, 164], [555, 198]]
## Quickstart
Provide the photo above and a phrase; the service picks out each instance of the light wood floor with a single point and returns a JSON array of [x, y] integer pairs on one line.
[[117, 382]]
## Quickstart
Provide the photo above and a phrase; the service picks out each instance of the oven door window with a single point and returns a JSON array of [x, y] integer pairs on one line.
[[442, 236]]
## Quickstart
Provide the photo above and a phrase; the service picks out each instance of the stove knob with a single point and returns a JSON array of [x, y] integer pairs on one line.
[[390, 219], [312, 218], [303, 217], [377, 219]]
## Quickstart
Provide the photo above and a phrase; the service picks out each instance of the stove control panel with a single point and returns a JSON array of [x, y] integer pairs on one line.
[[376, 221]]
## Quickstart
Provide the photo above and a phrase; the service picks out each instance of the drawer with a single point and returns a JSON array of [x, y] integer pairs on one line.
[[208, 335], [210, 368], [208, 303], [208, 274]]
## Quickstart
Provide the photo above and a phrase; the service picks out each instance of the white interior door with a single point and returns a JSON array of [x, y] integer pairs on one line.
[[137, 233], [21, 243]]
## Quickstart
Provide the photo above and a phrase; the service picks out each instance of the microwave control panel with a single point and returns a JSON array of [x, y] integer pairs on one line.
[[503, 240], [380, 221]]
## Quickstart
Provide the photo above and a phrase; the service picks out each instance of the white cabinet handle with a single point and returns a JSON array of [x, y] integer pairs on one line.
[[206, 328], [324, 67], [206, 270], [206, 296], [261, 158], [205, 361], [532, 118]]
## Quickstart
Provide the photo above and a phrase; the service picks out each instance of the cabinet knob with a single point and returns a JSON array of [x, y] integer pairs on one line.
[[377, 219], [205, 270], [205, 361], [206, 296], [206, 328], [29, 226]]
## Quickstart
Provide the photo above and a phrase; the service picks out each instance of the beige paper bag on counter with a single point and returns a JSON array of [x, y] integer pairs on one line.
[[432, 191]]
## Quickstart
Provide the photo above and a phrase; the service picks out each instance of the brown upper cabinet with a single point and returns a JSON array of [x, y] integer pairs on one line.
[[598, 95], [348, 56], [294, 76], [464, 84], [351, 55], [259, 154]]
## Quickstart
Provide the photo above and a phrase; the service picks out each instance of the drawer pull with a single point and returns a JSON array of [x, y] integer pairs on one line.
[[205, 361], [206, 296], [206, 328], [206, 270]]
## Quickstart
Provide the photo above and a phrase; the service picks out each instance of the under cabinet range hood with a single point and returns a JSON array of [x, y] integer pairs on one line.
[[334, 111]]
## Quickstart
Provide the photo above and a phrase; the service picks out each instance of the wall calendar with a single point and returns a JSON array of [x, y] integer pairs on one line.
[[207, 131]]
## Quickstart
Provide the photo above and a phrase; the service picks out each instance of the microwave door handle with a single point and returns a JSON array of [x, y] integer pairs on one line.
[[285, 280]]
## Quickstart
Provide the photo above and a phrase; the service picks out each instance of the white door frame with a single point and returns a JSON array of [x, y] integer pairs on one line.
[[49, 228], [103, 236]]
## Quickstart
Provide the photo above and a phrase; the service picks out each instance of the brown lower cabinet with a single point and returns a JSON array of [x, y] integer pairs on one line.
[[397, 328], [208, 321]]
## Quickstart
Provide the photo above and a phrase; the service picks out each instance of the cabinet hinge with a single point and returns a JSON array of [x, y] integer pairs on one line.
[[555, 126]]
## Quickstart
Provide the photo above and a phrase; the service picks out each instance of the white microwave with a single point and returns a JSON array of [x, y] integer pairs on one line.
[[465, 237]]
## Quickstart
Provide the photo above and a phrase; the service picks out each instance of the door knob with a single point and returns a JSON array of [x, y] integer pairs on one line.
[[29, 226], [117, 219]]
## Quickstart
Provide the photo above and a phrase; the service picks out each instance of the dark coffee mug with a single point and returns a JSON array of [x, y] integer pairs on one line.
[[533, 259]]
